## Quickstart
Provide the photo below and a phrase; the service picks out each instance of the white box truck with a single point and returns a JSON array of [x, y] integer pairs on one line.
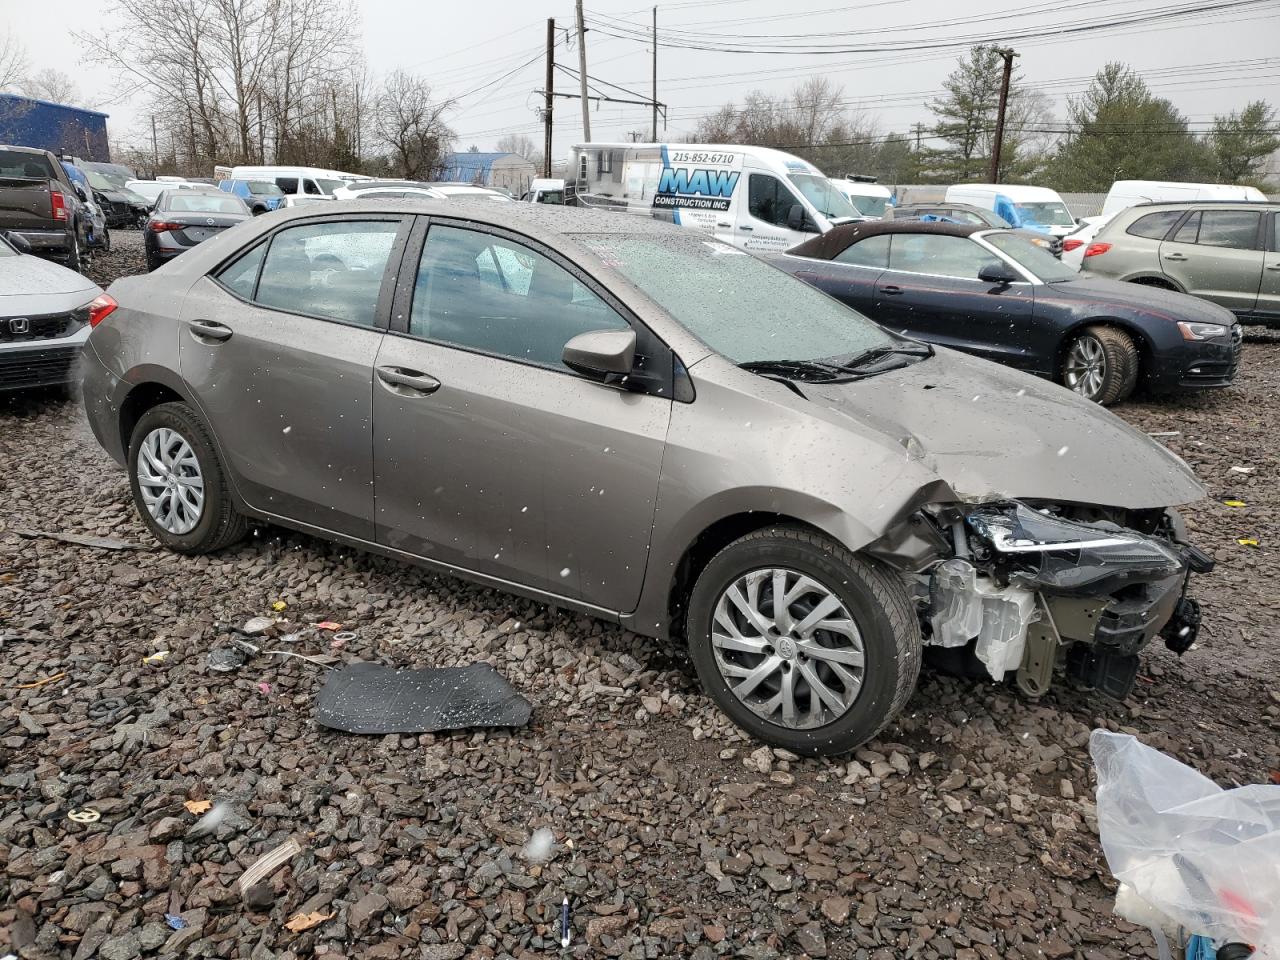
[[752, 197], [1128, 193], [1033, 208], [869, 198]]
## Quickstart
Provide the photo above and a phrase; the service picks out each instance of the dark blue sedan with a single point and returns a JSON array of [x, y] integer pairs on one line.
[[991, 293]]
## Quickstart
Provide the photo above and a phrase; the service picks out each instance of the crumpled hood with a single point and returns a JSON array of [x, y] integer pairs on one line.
[[991, 433], [1166, 304]]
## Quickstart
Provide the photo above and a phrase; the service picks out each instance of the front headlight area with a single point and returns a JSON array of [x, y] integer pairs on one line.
[[1030, 589]]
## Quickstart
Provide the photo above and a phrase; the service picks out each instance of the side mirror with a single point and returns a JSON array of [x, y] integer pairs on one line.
[[601, 352], [798, 219], [996, 271], [80, 192], [18, 242]]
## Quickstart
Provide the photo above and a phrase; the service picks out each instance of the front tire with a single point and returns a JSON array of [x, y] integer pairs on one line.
[[1101, 364], [819, 673], [179, 488]]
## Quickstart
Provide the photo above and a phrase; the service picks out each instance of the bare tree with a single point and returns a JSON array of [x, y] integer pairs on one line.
[[51, 84], [410, 123], [521, 145], [13, 60]]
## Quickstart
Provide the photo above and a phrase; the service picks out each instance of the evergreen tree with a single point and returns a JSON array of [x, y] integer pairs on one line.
[[1241, 142]]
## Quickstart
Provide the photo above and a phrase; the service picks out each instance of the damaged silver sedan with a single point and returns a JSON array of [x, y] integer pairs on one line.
[[649, 426]]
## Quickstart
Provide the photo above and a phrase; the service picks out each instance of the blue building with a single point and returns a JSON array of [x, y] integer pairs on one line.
[[27, 122], [500, 171]]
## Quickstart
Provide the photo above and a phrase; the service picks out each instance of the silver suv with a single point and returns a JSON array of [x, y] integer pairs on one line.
[[1227, 252]]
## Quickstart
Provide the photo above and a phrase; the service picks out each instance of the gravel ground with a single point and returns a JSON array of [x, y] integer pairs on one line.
[[966, 831]]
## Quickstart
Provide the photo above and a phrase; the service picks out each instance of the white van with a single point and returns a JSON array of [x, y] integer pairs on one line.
[[300, 184], [545, 190], [1032, 208], [868, 197], [751, 197], [1127, 193]]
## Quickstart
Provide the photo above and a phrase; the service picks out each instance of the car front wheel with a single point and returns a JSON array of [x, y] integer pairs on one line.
[[179, 488], [1101, 364], [803, 644]]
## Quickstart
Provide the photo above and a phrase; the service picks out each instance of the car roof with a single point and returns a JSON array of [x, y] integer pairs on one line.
[[834, 241], [1205, 203]]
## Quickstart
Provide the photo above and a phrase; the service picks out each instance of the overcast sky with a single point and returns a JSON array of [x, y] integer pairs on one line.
[[1206, 64]]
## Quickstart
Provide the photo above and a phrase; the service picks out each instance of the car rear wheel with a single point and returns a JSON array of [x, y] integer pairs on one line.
[[179, 488], [1101, 364], [74, 259], [803, 644]]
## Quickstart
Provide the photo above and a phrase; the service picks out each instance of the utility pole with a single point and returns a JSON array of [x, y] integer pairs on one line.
[[155, 145], [582, 75], [1007, 54], [655, 74], [917, 129], [550, 98]]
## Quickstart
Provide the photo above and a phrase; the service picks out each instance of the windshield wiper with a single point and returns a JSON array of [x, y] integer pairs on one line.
[[877, 353], [813, 370]]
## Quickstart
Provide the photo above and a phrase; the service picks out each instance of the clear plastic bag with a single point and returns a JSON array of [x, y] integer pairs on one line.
[[1208, 859]]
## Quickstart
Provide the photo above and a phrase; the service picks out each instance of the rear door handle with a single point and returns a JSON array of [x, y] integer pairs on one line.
[[415, 380], [748, 229], [892, 291], [209, 330], [1175, 256], [1273, 266]]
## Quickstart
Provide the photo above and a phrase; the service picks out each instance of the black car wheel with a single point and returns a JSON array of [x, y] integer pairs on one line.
[[178, 484], [1101, 364], [75, 260], [803, 644]]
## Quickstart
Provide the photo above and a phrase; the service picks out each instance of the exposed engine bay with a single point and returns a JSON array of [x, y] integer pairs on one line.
[[1033, 589]]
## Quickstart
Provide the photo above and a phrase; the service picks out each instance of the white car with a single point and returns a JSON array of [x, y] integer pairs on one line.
[[46, 312], [151, 189], [1077, 242], [395, 189]]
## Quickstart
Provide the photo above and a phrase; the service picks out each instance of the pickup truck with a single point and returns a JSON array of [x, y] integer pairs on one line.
[[39, 203]]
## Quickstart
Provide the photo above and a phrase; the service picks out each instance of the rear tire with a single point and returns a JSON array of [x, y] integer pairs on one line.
[[1100, 364], [881, 650], [176, 429], [74, 259]]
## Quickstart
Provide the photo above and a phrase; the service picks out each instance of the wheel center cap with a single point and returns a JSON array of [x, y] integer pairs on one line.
[[786, 648]]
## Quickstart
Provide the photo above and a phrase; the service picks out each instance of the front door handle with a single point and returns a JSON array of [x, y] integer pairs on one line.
[[1273, 266], [209, 330], [892, 291], [415, 380], [1175, 256], [748, 229]]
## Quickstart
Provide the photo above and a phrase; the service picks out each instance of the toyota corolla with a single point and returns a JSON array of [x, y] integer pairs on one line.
[[649, 426]]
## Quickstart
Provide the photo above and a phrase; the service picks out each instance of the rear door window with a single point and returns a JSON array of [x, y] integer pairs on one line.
[[1234, 229], [287, 184], [1188, 231], [330, 270], [241, 275], [871, 252], [1154, 226]]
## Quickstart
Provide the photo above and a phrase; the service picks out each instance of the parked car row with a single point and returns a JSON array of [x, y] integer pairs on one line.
[[711, 451]]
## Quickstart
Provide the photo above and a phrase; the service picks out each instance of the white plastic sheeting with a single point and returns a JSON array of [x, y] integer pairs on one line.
[[1207, 859]]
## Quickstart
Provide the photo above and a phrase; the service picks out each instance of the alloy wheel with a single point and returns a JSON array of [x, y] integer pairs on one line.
[[788, 648], [170, 481], [1085, 368]]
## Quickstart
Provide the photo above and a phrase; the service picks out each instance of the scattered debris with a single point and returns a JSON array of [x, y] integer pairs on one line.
[[175, 922], [264, 687], [87, 815], [328, 625], [372, 698], [1234, 503], [258, 625], [101, 543], [538, 849], [1164, 433], [1247, 541], [156, 658], [305, 921], [197, 807], [267, 864], [279, 605], [1243, 469], [40, 683], [210, 821], [226, 659]]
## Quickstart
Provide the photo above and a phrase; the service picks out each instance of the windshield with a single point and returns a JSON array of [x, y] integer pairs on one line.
[[1049, 214], [819, 191], [1040, 262], [328, 186], [551, 196], [739, 306], [99, 182], [263, 189], [6, 250], [870, 206]]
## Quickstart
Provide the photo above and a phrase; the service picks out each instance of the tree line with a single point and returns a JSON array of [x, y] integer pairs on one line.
[[1116, 130]]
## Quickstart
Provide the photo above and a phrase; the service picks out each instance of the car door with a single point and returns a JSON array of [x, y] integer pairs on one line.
[[1267, 309], [1217, 254], [851, 275], [931, 290], [492, 456], [278, 349], [762, 222]]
